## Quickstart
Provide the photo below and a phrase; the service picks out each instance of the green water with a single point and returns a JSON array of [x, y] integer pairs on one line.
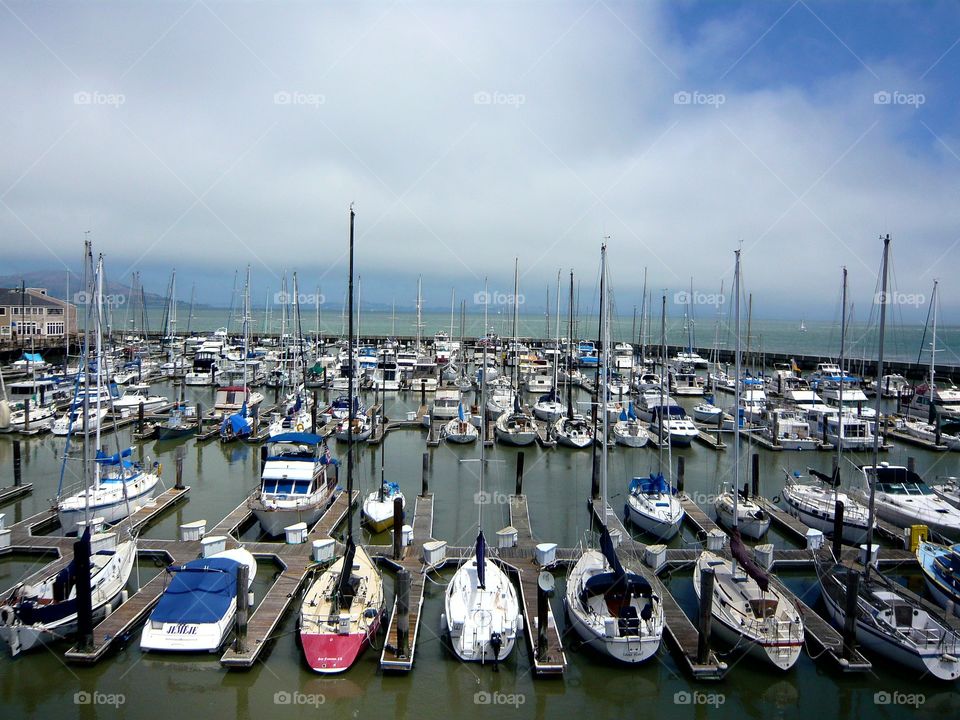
[[40, 684]]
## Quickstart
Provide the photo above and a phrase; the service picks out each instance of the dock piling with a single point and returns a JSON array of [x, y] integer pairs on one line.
[[397, 528], [81, 555], [519, 490], [140, 418], [756, 474], [545, 591], [706, 603], [403, 612], [179, 483], [243, 576], [424, 484], [850, 619], [16, 464], [681, 463]]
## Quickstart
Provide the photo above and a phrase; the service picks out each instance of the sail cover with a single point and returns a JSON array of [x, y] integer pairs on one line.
[[481, 561], [200, 592], [610, 553], [746, 560]]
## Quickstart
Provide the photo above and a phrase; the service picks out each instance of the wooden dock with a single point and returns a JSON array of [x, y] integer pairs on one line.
[[696, 516], [710, 440], [919, 442], [544, 438], [784, 520], [551, 660], [391, 658], [9, 494]]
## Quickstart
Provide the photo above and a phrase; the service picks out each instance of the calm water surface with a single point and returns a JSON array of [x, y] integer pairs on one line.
[[40, 684]]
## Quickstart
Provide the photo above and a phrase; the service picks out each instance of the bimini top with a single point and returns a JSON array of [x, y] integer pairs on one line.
[[200, 592], [297, 438]]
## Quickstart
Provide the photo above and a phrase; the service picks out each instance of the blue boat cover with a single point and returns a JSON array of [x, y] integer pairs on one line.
[[237, 423], [653, 484], [200, 592], [297, 438], [32, 357], [114, 459]]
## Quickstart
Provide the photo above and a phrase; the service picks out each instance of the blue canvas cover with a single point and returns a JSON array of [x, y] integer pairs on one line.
[[200, 592], [653, 484]]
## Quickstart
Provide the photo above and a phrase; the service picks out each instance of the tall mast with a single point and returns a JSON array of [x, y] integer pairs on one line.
[[843, 337], [98, 300], [246, 331], [643, 308], [933, 352], [556, 347], [876, 436], [605, 323], [736, 403], [346, 571], [85, 369], [483, 412], [570, 352], [453, 299], [516, 315], [663, 370], [419, 278], [193, 290]]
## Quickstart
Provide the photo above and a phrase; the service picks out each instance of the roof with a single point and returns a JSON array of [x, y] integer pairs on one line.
[[11, 297]]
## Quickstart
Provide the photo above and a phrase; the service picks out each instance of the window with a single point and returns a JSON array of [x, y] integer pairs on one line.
[[16, 310], [3, 311], [4, 329], [54, 311], [54, 328]]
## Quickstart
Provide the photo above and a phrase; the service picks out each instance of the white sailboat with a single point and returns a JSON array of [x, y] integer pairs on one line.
[[888, 621], [377, 508], [119, 485], [747, 610], [614, 612], [481, 610]]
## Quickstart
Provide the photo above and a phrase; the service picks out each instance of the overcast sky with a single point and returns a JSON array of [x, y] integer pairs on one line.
[[206, 135]]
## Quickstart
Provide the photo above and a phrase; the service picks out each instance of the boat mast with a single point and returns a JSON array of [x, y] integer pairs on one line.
[[453, 298], [663, 370], [641, 342], [419, 278], [876, 436], [933, 353], [605, 323], [556, 347], [193, 290], [516, 313], [343, 582], [98, 300], [85, 369], [736, 390], [570, 353], [483, 415], [843, 338]]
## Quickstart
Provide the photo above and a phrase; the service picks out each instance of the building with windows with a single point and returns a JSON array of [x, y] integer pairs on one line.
[[30, 312]]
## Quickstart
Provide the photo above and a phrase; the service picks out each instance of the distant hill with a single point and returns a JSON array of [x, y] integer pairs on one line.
[[56, 284]]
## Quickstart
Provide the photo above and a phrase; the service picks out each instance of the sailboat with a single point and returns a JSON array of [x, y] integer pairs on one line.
[[516, 427], [481, 609], [240, 423], [941, 572], [615, 612], [887, 620], [45, 611], [803, 327], [549, 406], [343, 607], [747, 610], [572, 429], [652, 503], [119, 484], [460, 430], [377, 509]]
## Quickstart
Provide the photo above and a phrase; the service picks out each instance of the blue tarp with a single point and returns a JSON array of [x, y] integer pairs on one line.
[[297, 439], [237, 423], [200, 592], [32, 357], [653, 484], [114, 459]]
